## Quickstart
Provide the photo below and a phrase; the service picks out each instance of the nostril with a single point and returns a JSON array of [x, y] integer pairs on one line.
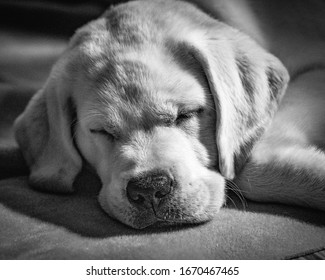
[[139, 199], [133, 193], [160, 194]]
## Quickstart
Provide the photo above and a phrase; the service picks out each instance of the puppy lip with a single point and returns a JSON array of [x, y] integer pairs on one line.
[[155, 218], [177, 222], [158, 221]]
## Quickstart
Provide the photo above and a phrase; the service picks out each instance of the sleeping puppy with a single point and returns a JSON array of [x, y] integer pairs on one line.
[[164, 102]]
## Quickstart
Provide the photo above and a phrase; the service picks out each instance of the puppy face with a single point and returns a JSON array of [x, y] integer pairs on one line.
[[148, 129], [167, 104]]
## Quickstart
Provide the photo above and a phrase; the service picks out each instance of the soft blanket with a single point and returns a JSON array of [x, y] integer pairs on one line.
[[35, 225]]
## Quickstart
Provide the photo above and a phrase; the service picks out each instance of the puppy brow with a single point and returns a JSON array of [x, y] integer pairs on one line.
[[97, 120], [190, 106], [191, 109]]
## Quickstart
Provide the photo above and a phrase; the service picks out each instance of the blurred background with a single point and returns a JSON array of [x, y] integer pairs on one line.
[[32, 36]]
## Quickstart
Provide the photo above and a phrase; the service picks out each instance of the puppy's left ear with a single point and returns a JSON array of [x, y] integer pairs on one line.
[[247, 84]]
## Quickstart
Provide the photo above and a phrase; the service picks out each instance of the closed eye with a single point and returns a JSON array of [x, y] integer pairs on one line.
[[103, 132], [187, 115]]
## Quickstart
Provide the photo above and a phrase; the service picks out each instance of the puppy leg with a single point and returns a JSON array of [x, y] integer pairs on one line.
[[288, 164], [290, 175]]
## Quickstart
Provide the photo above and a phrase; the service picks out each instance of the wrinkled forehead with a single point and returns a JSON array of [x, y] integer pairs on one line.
[[147, 83]]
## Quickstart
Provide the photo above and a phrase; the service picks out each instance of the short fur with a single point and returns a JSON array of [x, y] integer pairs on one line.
[[151, 87]]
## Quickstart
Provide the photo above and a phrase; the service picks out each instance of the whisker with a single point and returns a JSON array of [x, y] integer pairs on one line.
[[233, 187], [231, 200]]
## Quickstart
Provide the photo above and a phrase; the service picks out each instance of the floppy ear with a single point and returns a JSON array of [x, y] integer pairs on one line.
[[43, 132], [247, 84]]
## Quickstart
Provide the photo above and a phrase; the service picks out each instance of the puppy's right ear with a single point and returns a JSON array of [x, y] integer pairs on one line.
[[43, 132]]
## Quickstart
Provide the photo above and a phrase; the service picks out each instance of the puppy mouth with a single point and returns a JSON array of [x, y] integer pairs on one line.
[[159, 220], [146, 202], [167, 214], [158, 214], [164, 215]]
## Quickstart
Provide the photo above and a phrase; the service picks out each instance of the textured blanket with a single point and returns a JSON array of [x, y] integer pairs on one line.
[[35, 225]]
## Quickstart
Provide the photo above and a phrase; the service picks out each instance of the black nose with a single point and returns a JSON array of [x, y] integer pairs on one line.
[[148, 190]]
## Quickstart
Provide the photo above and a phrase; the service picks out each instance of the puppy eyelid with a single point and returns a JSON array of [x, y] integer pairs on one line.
[[103, 132], [184, 115]]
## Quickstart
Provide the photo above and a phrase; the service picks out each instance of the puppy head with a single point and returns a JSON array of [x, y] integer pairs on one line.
[[166, 109]]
